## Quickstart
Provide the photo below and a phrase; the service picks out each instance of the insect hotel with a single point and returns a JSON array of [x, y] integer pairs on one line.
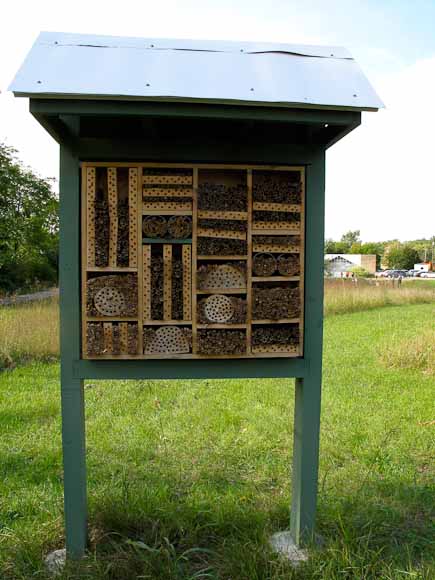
[[191, 219]]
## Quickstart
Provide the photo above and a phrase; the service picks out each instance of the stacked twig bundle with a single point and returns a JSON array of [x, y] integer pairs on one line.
[[275, 303], [221, 342]]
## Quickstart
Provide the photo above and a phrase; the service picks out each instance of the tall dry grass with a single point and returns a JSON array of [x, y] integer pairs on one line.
[[29, 331], [344, 296], [417, 352]]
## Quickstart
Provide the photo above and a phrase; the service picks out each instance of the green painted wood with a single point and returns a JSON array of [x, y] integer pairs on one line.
[[190, 369], [199, 110], [164, 241], [308, 389], [72, 392]]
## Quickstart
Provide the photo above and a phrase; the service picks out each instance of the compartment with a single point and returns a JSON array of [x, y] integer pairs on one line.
[[221, 309], [112, 295], [276, 244], [283, 338], [222, 190], [112, 338], [167, 284], [112, 217], [266, 264], [277, 186], [176, 227], [275, 302], [215, 276], [221, 247], [167, 340], [221, 342]]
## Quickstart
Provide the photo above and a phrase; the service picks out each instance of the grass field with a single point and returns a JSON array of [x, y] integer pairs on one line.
[[188, 479]]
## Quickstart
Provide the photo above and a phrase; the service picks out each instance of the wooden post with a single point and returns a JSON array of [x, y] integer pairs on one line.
[[72, 392], [308, 389]]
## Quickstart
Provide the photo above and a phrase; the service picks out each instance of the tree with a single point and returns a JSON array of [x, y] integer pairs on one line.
[[332, 247], [350, 238], [401, 256], [28, 225]]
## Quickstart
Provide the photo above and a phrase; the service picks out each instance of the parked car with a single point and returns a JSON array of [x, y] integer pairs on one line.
[[427, 275]]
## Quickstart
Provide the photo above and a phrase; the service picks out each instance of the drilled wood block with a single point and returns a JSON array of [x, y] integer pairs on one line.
[[113, 295], [176, 192], [167, 340], [187, 281], [167, 282], [167, 179], [123, 338], [113, 214], [262, 225], [146, 284], [108, 337], [226, 215], [223, 234], [132, 214], [167, 205], [284, 207], [90, 215], [212, 276]]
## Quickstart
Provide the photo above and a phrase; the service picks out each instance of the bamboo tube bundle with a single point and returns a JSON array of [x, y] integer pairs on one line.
[[275, 303], [264, 264], [288, 264], [219, 342]]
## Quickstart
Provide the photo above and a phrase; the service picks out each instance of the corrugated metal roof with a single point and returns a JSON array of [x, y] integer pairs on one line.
[[87, 66]]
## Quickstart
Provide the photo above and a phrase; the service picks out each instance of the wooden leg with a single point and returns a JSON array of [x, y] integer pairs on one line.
[[74, 465], [305, 458]]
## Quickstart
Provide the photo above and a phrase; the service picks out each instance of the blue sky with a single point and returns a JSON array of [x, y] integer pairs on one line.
[[371, 174]]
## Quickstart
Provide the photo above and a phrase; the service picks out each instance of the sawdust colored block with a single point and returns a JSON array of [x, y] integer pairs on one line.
[[275, 302], [221, 342], [112, 295]]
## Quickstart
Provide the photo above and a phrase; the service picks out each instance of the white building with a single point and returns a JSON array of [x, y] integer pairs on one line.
[[338, 264]]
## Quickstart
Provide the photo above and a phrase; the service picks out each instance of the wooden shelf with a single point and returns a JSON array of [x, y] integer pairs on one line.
[[165, 322], [224, 215], [109, 269], [229, 326], [275, 278], [223, 291], [165, 241], [166, 212], [275, 232], [111, 319], [222, 257], [279, 321]]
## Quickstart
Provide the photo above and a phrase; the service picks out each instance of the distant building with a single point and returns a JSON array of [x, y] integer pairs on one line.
[[337, 265], [423, 267]]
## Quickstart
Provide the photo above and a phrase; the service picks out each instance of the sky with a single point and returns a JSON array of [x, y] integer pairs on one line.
[[379, 179]]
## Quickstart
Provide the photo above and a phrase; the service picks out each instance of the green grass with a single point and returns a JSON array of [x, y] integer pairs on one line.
[[188, 479]]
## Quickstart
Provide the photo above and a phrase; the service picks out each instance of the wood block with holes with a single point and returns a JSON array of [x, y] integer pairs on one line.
[[167, 282], [112, 188], [133, 179]]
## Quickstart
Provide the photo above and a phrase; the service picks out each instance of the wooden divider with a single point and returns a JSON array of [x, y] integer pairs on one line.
[[132, 217], [123, 337], [146, 285], [90, 214], [167, 282], [108, 337], [187, 282], [112, 194]]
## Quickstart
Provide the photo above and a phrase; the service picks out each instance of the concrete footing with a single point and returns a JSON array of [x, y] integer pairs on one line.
[[283, 544], [55, 562]]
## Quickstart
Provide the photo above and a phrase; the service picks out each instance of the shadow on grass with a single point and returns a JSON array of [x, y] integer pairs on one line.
[[166, 532]]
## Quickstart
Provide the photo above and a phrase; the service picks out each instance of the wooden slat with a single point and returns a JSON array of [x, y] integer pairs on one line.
[[275, 278], [275, 248], [123, 337], [153, 165], [90, 217], [187, 281], [167, 179], [220, 258], [276, 228], [167, 212], [249, 267], [285, 207], [112, 188], [302, 267], [167, 282], [108, 337], [166, 322], [222, 291], [224, 234], [167, 205], [146, 285], [224, 215], [132, 216], [194, 259], [167, 192]]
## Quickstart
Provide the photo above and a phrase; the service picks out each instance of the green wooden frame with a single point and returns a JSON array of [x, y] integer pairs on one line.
[[62, 119]]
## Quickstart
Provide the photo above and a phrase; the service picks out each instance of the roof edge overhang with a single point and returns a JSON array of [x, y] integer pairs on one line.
[[62, 117], [181, 100]]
